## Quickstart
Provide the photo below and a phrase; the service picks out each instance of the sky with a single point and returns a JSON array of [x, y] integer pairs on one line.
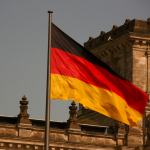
[[24, 44]]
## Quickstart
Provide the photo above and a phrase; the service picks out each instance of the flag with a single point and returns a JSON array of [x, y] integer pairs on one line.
[[79, 75]]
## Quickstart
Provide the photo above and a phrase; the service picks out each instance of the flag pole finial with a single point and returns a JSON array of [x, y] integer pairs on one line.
[[50, 11]]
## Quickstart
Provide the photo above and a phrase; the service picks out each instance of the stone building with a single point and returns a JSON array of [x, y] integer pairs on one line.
[[23, 133], [126, 49]]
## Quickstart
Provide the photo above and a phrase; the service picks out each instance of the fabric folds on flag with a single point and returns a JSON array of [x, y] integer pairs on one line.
[[79, 75]]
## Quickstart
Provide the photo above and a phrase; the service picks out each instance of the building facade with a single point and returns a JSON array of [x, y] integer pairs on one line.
[[126, 49], [23, 133]]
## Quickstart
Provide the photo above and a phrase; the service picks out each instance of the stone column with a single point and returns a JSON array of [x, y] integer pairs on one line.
[[147, 123], [148, 71]]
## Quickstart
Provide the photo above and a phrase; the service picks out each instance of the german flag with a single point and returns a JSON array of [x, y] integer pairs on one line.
[[79, 75]]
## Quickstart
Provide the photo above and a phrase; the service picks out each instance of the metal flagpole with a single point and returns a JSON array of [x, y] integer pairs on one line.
[[47, 113]]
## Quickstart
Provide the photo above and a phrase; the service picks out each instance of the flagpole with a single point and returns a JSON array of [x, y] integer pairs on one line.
[[47, 113]]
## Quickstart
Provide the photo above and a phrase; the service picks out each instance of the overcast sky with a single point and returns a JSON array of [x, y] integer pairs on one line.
[[24, 38]]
